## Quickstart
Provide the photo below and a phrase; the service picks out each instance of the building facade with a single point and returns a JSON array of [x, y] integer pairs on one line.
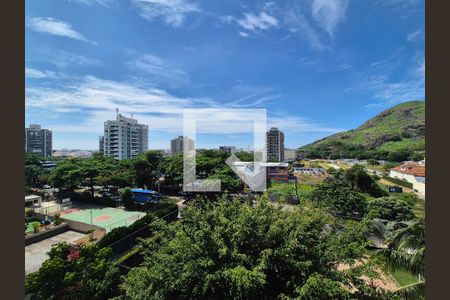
[[275, 145], [38, 140], [101, 144], [124, 138], [413, 173], [228, 149], [177, 144]]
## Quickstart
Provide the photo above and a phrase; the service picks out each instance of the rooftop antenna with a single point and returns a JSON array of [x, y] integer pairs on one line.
[[117, 112]]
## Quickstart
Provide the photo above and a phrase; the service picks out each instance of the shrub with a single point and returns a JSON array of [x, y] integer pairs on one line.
[[29, 212], [36, 227]]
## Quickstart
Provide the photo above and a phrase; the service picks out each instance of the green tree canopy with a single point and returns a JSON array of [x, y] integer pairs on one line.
[[339, 198], [233, 250], [390, 208], [357, 178], [67, 274]]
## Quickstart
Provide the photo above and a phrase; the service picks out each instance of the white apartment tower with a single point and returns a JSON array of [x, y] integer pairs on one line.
[[124, 138], [275, 145], [38, 140]]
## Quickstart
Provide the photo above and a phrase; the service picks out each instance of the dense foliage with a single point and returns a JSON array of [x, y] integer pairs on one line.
[[390, 208], [358, 179], [234, 250], [339, 198], [86, 273]]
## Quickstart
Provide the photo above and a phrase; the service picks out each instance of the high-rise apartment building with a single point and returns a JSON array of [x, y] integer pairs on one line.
[[176, 144], [124, 138], [38, 141], [275, 145], [101, 144]]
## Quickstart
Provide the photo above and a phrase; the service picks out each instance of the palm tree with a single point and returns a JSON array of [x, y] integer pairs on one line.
[[406, 250]]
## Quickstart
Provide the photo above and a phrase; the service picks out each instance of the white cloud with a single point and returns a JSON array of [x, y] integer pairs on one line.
[[299, 125], [243, 34], [329, 13], [91, 2], [95, 100], [255, 23], [391, 91], [33, 73], [55, 27], [298, 23], [160, 70], [172, 11], [414, 36], [67, 59]]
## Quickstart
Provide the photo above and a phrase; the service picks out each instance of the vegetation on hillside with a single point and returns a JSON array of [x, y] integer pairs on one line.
[[396, 134]]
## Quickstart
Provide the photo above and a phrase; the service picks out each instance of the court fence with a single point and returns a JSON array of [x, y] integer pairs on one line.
[[127, 243], [125, 222], [51, 210]]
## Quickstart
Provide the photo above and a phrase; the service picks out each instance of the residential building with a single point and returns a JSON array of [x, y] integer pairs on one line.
[[177, 144], [33, 200], [228, 149], [275, 145], [408, 172], [277, 171], [124, 138], [38, 140], [419, 186], [413, 173], [101, 144]]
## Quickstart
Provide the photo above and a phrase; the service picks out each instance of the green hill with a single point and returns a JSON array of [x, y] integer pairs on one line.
[[396, 134]]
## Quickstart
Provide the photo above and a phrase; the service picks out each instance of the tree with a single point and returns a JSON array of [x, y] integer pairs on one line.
[[230, 249], [66, 175], [406, 250], [400, 155], [339, 198], [244, 156], [147, 167], [86, 273], [318, 287], [173, 169], [390, 208], [89, 172], [357, 178], [126, 197], [417, 156]]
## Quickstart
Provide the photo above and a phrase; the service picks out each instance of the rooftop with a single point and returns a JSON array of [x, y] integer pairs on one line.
[[411, 169]]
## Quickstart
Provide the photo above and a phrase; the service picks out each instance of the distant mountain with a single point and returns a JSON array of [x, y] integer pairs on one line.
[[396, 134]]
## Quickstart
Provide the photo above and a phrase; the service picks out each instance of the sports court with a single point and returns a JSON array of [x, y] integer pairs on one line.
[[106, 217]]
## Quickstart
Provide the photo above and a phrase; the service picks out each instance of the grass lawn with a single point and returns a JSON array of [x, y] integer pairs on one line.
[[404, 277], [30, 226]]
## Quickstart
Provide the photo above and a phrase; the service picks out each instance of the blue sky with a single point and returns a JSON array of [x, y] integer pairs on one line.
[[316, 66]]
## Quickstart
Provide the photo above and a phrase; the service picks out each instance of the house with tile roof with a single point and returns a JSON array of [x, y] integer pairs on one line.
[[413, 173]]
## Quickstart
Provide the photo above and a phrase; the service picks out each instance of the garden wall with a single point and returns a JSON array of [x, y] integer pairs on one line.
[[81, 227], [42, 235]]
